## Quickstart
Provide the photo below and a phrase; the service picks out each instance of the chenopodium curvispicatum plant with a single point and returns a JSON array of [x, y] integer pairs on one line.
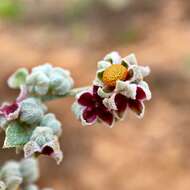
[[20, 175], [118, 86]]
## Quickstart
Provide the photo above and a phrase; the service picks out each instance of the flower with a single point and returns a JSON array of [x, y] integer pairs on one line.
[[119, 102], [113, 70], [43, 141], [92, 108], [119, 84], [11, 111], [48, 80]]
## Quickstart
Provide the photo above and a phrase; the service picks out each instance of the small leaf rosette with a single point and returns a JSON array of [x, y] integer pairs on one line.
[[119, 85]]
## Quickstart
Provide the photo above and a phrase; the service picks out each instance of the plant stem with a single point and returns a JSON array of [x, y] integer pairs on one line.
[[71, 93]]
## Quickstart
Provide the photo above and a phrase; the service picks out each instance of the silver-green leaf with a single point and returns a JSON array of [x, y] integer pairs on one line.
[[18, 78], [17, 135]]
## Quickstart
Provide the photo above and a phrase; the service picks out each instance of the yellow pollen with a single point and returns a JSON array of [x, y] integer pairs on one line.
[[113, 73]]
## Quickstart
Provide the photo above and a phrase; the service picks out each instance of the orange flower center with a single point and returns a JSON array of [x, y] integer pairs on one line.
[[113, 73]]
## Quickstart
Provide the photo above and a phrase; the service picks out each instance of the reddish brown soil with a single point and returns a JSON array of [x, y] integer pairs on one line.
[[152, 153]]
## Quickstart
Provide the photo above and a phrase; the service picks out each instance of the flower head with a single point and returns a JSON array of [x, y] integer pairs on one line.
[[113, 69], [11, 111], [92, 108], [119, 84], [43, 141], [113, 73]]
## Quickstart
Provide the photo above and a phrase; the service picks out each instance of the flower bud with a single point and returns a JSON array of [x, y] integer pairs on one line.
[[10, 174], [2, 185], [45, 68], [38, 83], [49, 120], [60, 81], [42, 135], [43, 141], [31, 111], [31, 187], [29, 170]]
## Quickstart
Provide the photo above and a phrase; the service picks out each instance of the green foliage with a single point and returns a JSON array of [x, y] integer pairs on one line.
[[18, 78], [9, 8], [17, 135]]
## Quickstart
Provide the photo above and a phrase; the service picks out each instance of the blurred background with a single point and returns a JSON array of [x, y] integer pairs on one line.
[[152, 153]]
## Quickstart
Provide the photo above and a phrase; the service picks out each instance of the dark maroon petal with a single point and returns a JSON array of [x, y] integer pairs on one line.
[[105, 115], [121, 102], [95, 90], [136, 106], [47, 150], [8, 109], [86, 99], [141, 95], [97, 98], [89, 115]]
